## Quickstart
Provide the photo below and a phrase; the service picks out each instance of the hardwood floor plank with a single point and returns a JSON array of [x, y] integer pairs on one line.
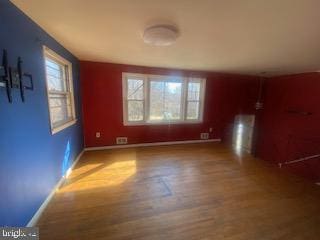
[[196, 191]]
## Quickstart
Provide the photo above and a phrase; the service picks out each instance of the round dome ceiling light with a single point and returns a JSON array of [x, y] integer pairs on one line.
[[160, 35]]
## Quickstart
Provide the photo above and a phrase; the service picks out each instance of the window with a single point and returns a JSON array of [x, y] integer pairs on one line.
[[155, 99], [59, 90], [193, 99]]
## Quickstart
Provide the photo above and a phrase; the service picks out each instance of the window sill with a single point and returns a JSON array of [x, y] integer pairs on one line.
[[162, 123], [64, 126]]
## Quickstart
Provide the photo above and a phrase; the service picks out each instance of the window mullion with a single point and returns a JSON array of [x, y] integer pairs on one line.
[[202, 98], [164, 99], [146, 98], [125, 98], [185, 100], [58, 92]]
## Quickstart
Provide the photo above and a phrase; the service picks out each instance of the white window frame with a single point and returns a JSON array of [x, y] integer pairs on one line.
[[48, 53], [146, 89]]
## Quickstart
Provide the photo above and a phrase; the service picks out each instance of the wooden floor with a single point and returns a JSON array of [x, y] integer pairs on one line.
[[200, 191]]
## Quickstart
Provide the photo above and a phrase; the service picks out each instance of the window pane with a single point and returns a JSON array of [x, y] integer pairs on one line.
[[165, 100], [135, 89], [58, 115], [56, 76], [156, 100], [53, 64], [193, 111], [194, 91], [60, 108], [135, 110], [58, 100], [173, 101]]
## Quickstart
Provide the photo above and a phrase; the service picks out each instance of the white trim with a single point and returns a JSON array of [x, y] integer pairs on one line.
[[48, 53], [180, 122], [69, 171], [43, 206], [141, 77], [300, 159], [147, 78], [151, 144], [65, 125]]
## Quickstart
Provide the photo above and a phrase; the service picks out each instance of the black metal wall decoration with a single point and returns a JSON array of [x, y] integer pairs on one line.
[[14, 78], [21, 76], [4, 75]]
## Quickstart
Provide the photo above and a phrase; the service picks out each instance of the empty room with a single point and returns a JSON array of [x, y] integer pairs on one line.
[[155, 120]]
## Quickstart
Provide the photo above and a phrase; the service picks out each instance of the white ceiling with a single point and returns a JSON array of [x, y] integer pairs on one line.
[[236, 36]]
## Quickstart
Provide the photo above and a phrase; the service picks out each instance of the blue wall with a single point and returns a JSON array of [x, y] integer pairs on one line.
[[31, 159]]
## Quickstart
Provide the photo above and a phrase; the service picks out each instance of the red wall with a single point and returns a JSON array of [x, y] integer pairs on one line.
[[285, 135], [226, 95], [282, 134]]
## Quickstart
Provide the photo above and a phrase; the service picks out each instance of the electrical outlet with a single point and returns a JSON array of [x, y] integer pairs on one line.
[[122, 140], [98, 134], [204, 136]]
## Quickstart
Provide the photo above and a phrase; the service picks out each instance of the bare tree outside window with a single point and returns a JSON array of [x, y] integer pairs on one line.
[[155, 99]]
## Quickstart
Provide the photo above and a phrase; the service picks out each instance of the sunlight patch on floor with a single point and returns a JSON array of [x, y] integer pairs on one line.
[[84, 169], [100, 175]]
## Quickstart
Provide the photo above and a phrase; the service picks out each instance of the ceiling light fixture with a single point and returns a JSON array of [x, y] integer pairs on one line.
[[160, 35]]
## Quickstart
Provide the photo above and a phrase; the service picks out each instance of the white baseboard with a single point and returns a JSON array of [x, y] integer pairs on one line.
[[151, 144], [43, 206], [69, 171]]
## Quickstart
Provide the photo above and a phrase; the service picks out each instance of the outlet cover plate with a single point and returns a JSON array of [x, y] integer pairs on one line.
[[122, 140], [204, 136]]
